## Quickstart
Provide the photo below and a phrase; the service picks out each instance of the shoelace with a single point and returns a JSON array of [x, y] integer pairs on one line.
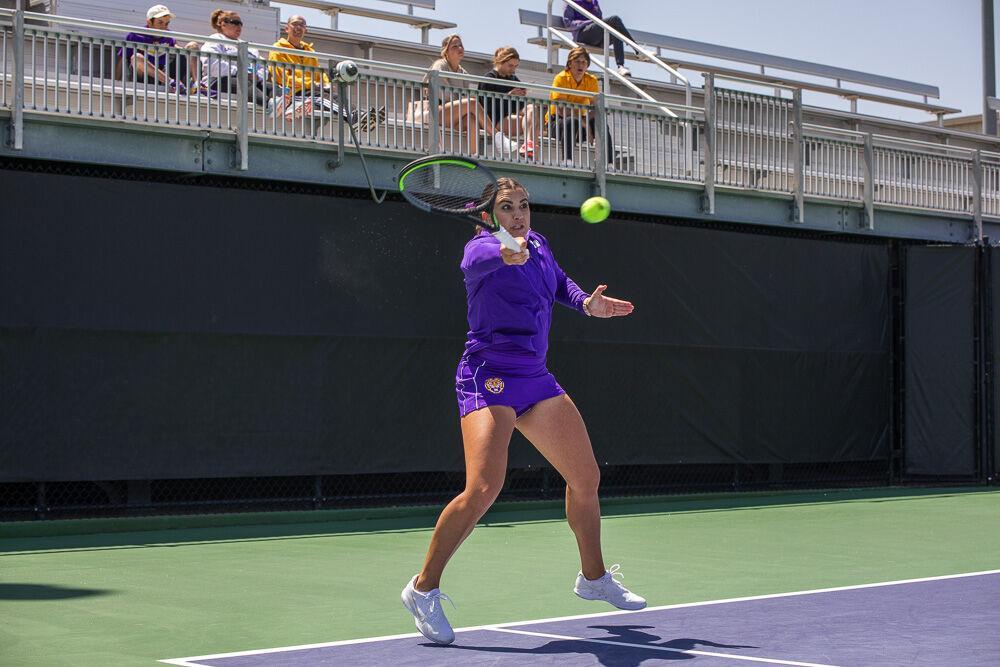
[[612, 572], [435, 603]]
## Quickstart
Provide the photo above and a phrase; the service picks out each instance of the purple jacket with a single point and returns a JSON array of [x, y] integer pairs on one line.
[[576, 21], [159, 61], [512, 305]]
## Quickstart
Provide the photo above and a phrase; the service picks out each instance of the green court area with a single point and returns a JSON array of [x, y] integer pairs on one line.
[[133, 591]]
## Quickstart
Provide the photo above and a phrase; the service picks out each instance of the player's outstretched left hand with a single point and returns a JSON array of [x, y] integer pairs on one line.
[[604, 306]]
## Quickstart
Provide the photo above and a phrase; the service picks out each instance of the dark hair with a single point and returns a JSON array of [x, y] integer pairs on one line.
[[220, 14], [504, 184]]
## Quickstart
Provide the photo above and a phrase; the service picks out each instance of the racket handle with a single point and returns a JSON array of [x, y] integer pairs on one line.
[[507, 240]]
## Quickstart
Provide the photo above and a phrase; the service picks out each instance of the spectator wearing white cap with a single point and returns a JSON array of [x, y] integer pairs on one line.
[[151, 63]]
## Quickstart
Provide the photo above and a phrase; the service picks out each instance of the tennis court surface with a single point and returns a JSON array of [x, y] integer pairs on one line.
[[852, 577], [939, 621]]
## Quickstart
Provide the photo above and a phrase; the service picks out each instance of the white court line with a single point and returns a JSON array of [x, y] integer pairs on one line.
[[654, 647], [191, 661]]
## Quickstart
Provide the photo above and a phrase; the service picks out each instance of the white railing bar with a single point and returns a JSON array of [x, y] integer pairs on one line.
[[643, 102], [607, 28], [626, 40], [928, 144], [636, 89], [87, 23], [752, 82]]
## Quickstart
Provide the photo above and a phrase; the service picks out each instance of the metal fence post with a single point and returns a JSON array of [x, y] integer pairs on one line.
[[242, 130], [16, 140], [799, 185], [434, 91], [708, 198], [869, 194], [602, 152], [977, 195]]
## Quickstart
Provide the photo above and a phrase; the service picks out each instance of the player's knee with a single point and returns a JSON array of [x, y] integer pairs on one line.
[[482, 494], [586, 482]]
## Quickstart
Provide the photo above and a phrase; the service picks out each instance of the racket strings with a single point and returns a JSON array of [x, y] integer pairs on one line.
[[450, 188]]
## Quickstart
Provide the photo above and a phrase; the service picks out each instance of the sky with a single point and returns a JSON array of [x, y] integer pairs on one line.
[[935, 42]]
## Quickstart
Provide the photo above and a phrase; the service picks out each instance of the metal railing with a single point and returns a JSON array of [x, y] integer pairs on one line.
[[608, 31], [739, 140]]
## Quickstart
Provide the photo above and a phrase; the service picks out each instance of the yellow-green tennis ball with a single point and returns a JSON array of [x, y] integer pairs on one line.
[[595, 209]]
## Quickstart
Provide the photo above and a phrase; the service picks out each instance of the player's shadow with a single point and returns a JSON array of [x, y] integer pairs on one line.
[[626, 646], [46, 592]]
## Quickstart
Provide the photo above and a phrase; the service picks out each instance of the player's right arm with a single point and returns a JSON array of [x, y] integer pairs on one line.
[[484, 255]]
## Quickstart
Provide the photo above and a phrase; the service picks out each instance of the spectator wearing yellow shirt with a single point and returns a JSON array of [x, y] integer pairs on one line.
[[297, 77], [574, 124]]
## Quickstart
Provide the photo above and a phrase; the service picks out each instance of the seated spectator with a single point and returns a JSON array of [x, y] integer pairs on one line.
[[459, 112], [297, 78], [219, 67], [515, 118], [572, 125], [587, 32], [156, 65]]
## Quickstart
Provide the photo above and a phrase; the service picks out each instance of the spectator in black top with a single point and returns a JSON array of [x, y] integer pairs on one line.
[[587, 32], [514, 117]]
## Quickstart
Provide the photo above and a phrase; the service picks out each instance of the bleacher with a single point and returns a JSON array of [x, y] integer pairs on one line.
[[422, 23], [756, 132], [836, 75]]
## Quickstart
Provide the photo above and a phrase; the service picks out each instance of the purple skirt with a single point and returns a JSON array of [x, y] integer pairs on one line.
[[492, 379]]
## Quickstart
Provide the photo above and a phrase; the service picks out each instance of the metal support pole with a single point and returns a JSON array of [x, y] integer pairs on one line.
[[602, 152], [607, 63], [989, 70], [341, 124], [17, 111], [434, 90], [977, 196], [708, 197], [798, 207], [243, 120], [869, 160], [549, 60]]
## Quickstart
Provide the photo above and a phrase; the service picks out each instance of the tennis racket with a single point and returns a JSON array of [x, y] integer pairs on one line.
[[457, 187]]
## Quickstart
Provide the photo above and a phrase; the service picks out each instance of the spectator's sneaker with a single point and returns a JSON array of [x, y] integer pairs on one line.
[[375, 116], [607, 588], [427, 613], [624, 71], [527, 149], [503, 144], [177, 87], [359, 120]]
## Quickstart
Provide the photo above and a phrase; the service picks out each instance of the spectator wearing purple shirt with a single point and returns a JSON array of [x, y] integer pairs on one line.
[[502, 383], [152, 64], [587, 32]]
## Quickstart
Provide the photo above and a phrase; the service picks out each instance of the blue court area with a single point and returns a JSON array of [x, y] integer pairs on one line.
[[938, 621]]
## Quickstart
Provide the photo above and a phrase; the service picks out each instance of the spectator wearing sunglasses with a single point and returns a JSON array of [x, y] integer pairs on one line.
[[220, 68]]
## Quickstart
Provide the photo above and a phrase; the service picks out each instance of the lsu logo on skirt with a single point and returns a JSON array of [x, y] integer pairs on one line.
[[494, 385]]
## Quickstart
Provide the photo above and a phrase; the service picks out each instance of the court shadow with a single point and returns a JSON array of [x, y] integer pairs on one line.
[[627, 646], [46, 592]]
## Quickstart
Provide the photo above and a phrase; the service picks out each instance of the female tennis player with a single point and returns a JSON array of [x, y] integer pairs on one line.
[[503, 384]]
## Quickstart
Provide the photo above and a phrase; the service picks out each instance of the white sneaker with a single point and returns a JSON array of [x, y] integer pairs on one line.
[[607, 588], [428, 614], [504, 144], [624, 71]]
